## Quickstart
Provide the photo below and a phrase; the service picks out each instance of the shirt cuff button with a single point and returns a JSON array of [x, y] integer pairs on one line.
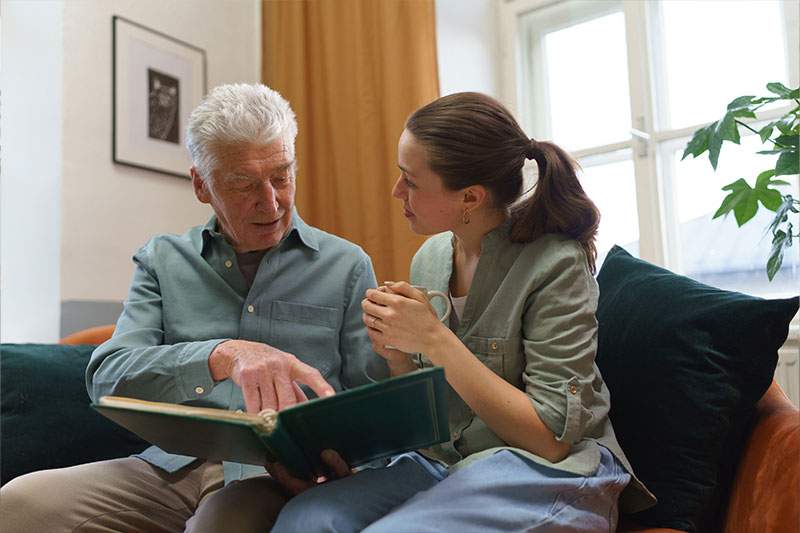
[[199, 390]]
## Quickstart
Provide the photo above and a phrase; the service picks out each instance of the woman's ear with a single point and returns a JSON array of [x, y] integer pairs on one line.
[[474, 197], [200, 187]]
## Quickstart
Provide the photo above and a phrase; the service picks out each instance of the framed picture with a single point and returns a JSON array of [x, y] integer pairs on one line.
[[157, 81]]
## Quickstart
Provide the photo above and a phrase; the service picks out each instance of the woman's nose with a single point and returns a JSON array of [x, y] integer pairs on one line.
[[398, 191]]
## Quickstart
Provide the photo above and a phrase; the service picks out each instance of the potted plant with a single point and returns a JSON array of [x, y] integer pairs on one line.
[[743, 199]]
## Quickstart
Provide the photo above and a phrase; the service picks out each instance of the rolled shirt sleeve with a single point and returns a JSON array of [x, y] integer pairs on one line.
[[559, 343]]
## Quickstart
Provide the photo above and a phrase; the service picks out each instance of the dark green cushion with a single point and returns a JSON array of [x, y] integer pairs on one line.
[[45, 418], [685, 364]]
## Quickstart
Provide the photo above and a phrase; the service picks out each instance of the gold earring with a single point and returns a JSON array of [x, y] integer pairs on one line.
[[465, 218]]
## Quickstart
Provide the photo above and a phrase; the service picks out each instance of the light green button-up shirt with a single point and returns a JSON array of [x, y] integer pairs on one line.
[[188, 295], [530, 318]]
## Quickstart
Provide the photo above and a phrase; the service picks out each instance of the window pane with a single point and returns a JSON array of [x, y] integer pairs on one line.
[[709, 64], [587, 86], [718, 252], [612, 188]]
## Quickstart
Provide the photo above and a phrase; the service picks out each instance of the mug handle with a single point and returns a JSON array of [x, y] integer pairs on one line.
[[443, 296]]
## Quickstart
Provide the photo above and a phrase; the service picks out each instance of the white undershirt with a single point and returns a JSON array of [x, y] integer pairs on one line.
[[458, 305]]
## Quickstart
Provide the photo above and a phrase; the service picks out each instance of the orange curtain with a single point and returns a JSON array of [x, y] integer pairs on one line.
[[353, 70]]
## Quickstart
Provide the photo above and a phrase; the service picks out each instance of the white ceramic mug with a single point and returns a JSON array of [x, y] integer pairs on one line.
[[430, 295]]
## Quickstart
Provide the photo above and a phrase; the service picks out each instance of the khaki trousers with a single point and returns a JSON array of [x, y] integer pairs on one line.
[[130, 495]]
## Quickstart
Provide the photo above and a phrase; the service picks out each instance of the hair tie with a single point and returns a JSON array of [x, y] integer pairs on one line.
[[533, 147]]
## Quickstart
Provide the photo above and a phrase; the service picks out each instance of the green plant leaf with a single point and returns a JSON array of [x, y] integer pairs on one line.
[[742, 200], [699, 142], [786, 125], [742, 101], [766, 132], [780, 89], [772, 152], [788, 163], [788, 140], [782, 213], [776, 254], [714, 146], [742, 107], [727, 129]]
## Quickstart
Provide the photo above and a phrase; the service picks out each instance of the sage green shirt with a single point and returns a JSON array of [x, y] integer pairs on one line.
[[530, 318], [188, 295]]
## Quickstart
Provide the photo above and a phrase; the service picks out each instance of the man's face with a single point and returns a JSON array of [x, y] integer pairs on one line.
[[251, 192]]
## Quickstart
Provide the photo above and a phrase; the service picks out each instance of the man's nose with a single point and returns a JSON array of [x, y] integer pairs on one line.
[[267, 196]]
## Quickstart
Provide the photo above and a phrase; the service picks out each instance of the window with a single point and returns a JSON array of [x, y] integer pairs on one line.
[[623, 85]]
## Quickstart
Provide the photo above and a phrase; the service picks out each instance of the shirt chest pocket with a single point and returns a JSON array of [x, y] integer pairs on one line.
[[300, 329], [491, 351]]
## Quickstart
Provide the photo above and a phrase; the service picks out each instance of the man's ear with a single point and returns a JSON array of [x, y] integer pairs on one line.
[[200, 187]]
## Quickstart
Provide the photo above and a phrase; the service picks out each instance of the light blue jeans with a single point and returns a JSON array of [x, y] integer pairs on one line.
[[502, 492]]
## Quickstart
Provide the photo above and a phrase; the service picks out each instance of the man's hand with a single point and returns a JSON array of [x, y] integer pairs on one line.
[[266, 375], [336, 465]]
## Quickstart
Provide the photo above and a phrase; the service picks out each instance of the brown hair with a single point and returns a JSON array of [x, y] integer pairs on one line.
[[471, 139]]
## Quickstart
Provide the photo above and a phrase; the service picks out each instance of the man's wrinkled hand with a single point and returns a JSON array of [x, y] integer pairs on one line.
[[267, 376], [336, 466]]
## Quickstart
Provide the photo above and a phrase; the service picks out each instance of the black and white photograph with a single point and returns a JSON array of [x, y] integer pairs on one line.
[[163, 104], [157, 81]]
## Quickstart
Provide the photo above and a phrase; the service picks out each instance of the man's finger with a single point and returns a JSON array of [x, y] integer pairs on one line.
[[252, 397], [269, 399], [310, 376], [334, 461], [292, 484], [299, 395], [283, 391]]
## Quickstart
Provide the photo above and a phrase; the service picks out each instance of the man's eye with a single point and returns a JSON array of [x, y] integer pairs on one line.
[[281, 181]]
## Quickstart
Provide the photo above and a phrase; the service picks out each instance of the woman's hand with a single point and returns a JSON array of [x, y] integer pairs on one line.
[[400, 316], [336, 465]]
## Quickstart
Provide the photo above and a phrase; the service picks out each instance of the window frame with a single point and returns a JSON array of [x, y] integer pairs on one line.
[[655, 193]]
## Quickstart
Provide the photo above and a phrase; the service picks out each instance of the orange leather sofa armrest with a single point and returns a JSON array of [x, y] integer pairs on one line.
[[95, 335], [764, 497]]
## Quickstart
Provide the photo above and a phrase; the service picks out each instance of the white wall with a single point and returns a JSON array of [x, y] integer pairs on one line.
[[30, 185], [110, 210], [71, 218], [468, 46]]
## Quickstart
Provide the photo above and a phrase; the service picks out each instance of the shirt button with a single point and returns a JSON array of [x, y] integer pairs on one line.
[[250, 308], [199, 390], [228, 263], [493, 345], [573, 389]]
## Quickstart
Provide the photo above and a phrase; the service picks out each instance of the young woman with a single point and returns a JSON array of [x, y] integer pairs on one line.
[[531, 444]]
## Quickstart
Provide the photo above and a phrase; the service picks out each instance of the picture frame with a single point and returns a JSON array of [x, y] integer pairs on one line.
[[157, 81]]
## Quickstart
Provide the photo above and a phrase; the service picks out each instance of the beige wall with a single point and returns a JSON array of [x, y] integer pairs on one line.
[[109, 210]]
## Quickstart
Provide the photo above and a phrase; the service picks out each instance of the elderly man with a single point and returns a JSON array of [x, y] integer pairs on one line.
[[234, 314]]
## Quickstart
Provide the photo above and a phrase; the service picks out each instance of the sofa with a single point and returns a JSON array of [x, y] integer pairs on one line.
[[46, 421]]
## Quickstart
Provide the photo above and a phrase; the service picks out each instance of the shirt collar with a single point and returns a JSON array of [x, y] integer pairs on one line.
[[299, 227]]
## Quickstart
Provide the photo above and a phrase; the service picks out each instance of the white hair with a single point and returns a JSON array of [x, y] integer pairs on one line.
[[237, 113]]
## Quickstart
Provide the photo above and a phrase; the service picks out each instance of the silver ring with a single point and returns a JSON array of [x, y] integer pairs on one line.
[[374, 320]]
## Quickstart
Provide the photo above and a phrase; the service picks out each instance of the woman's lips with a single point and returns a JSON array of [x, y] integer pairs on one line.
[[407, 213]]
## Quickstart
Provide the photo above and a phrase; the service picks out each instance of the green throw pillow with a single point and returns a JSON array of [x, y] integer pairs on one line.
[[685, 364], [45, 418]]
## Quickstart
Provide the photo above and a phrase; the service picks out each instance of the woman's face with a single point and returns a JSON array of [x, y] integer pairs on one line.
[[429, 207]]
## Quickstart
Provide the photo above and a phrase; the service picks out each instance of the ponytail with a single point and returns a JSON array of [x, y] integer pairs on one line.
[[558, 203]]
